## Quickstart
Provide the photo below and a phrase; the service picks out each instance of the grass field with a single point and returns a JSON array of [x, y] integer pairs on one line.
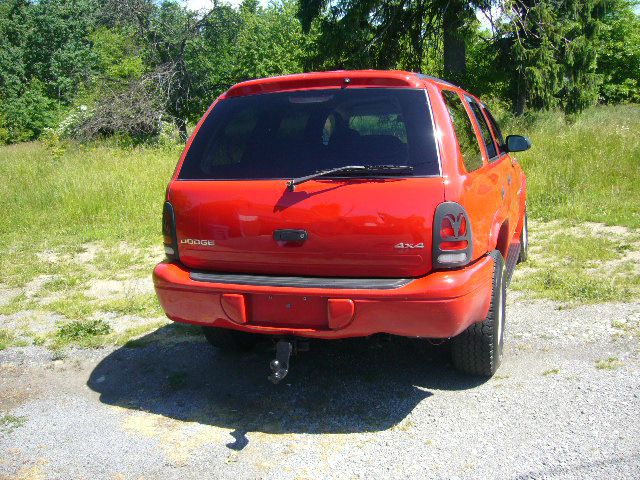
[[585, 168], [80, 228]]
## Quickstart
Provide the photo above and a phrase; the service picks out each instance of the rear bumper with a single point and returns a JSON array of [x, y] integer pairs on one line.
[[438, 305]]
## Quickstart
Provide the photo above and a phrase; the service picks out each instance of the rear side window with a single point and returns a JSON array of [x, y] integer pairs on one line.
[[467, 140], [283, 135], [492, 153], [494, 126]]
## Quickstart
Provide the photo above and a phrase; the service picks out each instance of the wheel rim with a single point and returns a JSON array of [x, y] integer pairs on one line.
[[525, 234]]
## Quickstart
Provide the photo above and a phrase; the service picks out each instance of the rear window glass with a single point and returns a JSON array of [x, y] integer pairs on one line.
[[284, 135]]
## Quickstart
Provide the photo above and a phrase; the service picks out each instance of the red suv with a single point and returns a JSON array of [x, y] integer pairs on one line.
[[345, 204]]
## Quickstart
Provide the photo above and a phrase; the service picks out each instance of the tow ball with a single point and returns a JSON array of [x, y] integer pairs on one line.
[[284, 349]]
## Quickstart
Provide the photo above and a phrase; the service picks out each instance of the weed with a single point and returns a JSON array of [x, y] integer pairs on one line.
[[575, 270], [575, 286], [6, 338], [140, 305], [9, 423], [82, 332], [553, 371], [74, 306], [630, 328], [573, 249], [58, 353], [111, 263], [610, 363], [129, 338], [19, 303], [63, 283]]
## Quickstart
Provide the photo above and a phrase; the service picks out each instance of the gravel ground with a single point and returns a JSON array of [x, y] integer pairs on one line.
[[375, 408]]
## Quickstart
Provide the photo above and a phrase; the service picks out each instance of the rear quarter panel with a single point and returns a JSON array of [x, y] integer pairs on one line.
[[479, 192]]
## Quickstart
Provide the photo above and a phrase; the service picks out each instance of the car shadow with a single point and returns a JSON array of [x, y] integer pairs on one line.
[[342, 386]]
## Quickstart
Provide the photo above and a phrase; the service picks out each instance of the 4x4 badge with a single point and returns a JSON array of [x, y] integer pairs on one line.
[[409, 245]]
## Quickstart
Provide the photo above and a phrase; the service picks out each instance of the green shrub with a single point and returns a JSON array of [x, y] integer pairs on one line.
[[82, 330], [26, 116]]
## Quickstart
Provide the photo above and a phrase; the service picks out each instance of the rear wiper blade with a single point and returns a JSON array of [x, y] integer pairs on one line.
[[291, 184]]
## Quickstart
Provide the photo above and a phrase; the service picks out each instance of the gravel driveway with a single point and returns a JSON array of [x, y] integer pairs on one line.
[[564, 404]]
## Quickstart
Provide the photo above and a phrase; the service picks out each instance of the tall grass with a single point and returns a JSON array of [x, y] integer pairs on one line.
[[583, 168], [586, 168], [102, 192]]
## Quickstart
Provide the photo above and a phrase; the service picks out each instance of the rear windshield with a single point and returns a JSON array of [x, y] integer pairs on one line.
[[285, 135]]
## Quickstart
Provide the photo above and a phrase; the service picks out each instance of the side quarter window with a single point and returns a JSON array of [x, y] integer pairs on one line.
[[492, 152], [495, 127], [467, 140]]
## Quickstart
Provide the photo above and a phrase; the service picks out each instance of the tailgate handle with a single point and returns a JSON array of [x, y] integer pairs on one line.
[[289, 235]]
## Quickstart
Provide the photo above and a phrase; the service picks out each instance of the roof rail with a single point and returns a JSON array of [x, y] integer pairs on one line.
[[424, 76]]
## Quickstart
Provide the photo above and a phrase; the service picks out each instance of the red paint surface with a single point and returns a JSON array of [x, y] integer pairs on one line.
[[438, 305], [353, 226]]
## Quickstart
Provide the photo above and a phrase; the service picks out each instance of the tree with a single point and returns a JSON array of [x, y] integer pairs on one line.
[[551, 52], [270, 41], [58, 51], [393, 33], [619, 52], [370, 34]]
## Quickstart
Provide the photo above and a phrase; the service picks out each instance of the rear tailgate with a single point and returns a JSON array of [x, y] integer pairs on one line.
[[355, 227]]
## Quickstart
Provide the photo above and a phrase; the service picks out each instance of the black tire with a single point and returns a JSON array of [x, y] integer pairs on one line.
[[478, 350], [524, 240], [230, 340]]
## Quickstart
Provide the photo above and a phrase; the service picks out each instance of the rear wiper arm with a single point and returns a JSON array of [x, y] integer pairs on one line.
[[291, 184]]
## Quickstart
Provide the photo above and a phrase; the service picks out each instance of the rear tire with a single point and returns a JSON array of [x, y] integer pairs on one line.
[[478, 350], [524, 240], [230, 340]]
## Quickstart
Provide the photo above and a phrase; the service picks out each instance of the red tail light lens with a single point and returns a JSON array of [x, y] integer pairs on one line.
[[169, 232], [452, 244]]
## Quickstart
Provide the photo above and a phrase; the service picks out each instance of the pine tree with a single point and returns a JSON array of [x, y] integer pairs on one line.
[[553, 57]]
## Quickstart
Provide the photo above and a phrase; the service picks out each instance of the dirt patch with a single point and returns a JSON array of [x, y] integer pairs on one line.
[[28, 322], [34, 286], [48, 256], [88, 253], [583, 229], [115, 289], [122, 323], [178, 439], [8, 294]]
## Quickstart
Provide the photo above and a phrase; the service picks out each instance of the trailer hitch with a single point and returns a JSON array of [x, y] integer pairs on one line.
[[284, 349], [280, 365]]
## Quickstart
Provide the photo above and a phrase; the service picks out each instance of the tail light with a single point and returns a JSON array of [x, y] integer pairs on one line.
[[452, 241], [169, 232]]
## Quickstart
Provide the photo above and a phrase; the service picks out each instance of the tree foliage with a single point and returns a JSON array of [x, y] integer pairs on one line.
[[619, 55], [90, 68]]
